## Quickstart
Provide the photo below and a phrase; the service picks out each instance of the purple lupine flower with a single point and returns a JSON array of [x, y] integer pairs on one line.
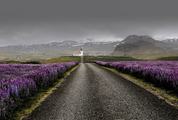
[[19, 81], [159, 72]]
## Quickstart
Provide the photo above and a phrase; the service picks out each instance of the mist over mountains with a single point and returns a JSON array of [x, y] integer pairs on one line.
[[133, 45], [56, 49]]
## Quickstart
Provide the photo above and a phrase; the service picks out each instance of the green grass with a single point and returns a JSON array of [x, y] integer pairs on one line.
[[168, 58], [62, 59], [108, 58], [88, 59], [51, 60], [10, 62]]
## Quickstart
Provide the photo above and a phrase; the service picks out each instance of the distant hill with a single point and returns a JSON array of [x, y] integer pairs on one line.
[[55, 49], [172, 42], [146, 46]]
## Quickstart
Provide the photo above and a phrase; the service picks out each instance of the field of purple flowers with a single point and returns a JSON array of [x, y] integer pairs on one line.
[[20, 81], [161, 73]]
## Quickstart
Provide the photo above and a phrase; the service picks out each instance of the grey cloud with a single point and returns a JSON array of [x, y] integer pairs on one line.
[[39, 21]]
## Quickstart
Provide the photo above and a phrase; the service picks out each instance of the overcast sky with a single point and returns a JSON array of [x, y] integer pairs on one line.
[[43, 21]]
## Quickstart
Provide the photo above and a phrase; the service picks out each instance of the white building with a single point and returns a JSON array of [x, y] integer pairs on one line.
[[79, 53]]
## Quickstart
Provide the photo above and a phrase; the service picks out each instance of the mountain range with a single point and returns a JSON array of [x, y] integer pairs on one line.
[[133, 45], [55, 49], [145, 46]]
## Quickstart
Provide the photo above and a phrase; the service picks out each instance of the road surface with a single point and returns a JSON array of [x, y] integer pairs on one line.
[[94, 93]]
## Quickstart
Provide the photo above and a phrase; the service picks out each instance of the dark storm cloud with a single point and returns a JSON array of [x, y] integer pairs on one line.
[[39, 21]]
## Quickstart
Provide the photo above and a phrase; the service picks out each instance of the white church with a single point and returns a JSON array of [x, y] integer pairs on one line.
[[79, 54]]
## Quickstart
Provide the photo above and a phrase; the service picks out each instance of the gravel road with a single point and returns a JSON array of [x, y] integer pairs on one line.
[[94, 93]]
